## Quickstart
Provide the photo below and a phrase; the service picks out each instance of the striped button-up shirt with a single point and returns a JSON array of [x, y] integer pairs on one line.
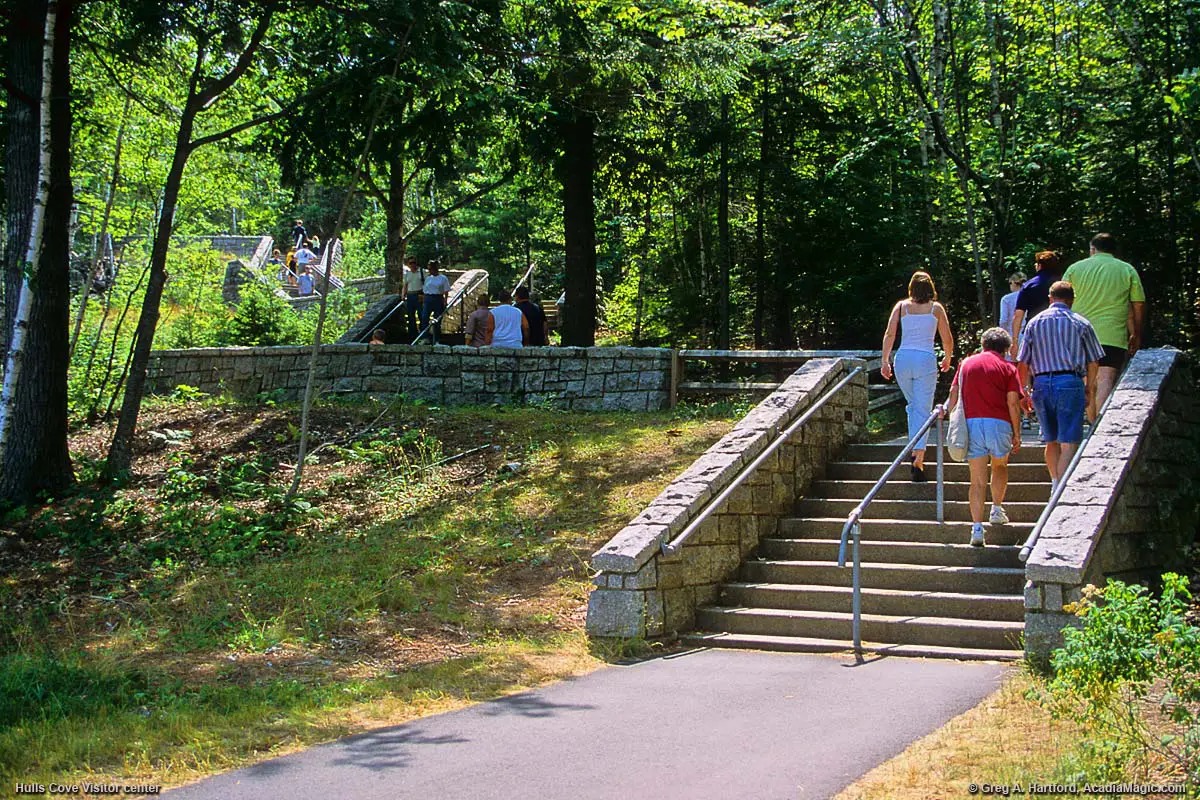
[[1059, 340]]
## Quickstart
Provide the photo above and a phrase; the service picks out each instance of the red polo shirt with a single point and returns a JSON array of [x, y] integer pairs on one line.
[[989, 379]]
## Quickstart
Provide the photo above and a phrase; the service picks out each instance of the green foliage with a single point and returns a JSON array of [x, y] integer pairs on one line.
[[194, 315], [364, 247], [1131, 674], [262, 319], [48, 687]]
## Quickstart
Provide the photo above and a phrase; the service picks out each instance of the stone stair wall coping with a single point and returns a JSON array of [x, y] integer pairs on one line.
[[641, 592], [1109, 520]]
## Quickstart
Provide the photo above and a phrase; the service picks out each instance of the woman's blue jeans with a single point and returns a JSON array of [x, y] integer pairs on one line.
[[916, 375]]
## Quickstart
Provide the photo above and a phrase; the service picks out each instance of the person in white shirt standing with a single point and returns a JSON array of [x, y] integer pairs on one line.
[[410, 295], [1008, 305], [507, 326], [436, 291]]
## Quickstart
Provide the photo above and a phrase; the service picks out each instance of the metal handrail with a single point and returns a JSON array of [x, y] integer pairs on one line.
[[525, 277], [1036, 533], [854, 520], [672, 547], [458, 298]]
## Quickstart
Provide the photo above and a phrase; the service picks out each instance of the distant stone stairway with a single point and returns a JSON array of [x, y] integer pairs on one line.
[[926, 591]]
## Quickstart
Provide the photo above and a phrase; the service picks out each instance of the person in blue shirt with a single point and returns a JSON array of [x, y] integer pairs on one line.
[[306, 282], [1034, 297]]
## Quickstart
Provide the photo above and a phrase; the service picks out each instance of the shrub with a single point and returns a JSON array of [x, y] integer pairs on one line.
[[1131, 675]]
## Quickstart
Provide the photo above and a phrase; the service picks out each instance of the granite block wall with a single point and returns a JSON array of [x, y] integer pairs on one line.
[[581, 379], [643, 592], [1129, 509]]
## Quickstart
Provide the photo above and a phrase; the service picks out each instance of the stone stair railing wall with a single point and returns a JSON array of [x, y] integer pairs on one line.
[[1129, 509], [641, 592], [576, 378], [248, 268]]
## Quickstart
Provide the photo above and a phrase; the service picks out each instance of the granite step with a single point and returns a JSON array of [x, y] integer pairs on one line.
[[811, 597], [800, 644]]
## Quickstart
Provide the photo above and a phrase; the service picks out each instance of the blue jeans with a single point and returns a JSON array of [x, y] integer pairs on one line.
[[434, 305], [1060, 401], [916, 375], [412, 309]]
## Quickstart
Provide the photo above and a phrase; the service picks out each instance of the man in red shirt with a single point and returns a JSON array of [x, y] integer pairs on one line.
[[991, 394]]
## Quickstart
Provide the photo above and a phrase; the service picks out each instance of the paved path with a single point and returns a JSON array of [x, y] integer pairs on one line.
[[704, 724]]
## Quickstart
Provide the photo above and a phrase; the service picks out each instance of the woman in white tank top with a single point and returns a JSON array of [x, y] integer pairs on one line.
[[918, 318]]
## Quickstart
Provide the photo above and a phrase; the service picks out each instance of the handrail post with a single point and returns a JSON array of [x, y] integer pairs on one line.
[[856, 601], [941, 462], [853, 525]]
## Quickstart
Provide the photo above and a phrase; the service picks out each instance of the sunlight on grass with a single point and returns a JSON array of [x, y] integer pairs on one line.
[[413, 591], [182, 733], [1004, 740]]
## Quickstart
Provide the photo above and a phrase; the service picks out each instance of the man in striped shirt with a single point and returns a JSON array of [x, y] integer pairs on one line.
[[1058, 360]]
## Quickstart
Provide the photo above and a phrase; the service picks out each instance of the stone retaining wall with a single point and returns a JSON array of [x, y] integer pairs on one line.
[[642, 592], [584, 379], [1130, 502]]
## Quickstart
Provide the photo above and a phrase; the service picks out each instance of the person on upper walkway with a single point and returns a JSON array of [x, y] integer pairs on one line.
[[305, 256], [298, 233], [477, 320], [1034, 297], [506, 325], [411, 288], [1058, 363], [435, 297], [1109, 294], [538, 330], [989, 389], [305, 282], [919, 318]]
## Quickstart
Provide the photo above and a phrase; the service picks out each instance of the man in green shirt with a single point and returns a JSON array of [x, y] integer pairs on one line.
[[1109, 294]]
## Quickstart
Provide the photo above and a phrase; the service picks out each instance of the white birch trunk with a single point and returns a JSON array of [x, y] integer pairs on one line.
[[16, 348]]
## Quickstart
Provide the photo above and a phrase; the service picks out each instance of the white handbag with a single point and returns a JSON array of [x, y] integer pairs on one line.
[[956, 432]]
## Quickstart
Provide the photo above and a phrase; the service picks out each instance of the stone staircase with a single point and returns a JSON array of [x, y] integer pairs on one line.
[[925, 590]]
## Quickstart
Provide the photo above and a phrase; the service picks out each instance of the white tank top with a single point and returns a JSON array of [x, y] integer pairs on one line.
[[507, 329], [917, 330]]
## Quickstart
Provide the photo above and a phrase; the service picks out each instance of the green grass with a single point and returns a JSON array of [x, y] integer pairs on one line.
[[140, 644]]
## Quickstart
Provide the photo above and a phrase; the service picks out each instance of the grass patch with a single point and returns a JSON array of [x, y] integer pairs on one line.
[[161, 729], [886, 423], [187, 623]]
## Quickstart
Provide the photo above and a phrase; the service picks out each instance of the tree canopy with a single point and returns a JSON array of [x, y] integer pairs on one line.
[[687, 172]]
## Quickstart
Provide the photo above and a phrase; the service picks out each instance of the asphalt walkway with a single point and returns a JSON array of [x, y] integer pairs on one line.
[[704, 724]]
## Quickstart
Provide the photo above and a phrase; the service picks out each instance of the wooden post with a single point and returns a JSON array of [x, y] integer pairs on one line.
[[676, 377]]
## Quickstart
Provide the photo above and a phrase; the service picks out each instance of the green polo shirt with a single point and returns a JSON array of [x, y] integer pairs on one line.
[[1104, 288]]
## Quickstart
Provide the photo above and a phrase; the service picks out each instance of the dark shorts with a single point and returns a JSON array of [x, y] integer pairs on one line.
[[1114, 357], [1060, 401]]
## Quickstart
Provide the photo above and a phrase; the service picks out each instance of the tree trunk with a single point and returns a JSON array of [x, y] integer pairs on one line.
[[33, 433], [120, 453], [577, 172], [24, 67], [723, 245], [760, 200], [397, 241]]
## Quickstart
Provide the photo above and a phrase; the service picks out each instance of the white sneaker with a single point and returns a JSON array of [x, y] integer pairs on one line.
[[998, 517], [977, 535]]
